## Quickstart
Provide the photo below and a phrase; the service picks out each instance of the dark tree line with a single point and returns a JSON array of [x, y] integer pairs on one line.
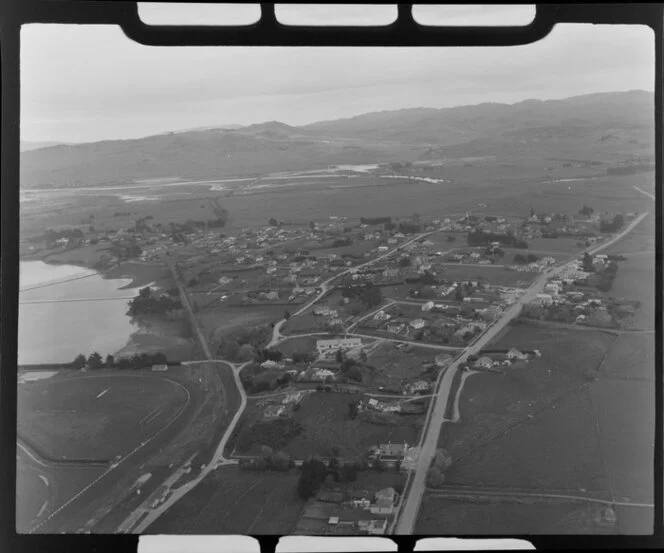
[[375, 220], [612, 226], [136, 361]]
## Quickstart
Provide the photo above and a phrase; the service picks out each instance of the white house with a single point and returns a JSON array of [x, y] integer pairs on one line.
[[417, 323], [514, 353], [544, 299], [428, 306], [327, 346]]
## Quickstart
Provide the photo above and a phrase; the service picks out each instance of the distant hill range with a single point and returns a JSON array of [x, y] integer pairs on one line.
[[602, 127]]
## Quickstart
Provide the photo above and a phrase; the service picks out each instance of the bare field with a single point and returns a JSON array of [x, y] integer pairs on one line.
[[456, 517]]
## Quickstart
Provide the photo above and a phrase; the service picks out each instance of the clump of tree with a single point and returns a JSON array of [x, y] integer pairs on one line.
[[521, 259], [612, 226], [408, 227], [586, 210], [244, 344], [481, 238], [369, 295], [314, 472], [149, 304], [50, 236], [341, 242]]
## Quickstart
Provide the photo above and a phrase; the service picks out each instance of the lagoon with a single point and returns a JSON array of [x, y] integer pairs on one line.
[[55, 330]]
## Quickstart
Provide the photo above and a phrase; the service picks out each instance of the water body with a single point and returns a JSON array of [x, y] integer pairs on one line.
[[56, 331]]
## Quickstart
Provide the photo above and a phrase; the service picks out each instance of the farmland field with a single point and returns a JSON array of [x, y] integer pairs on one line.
[[455, 517], [546, 426], [95, 417], [232, 501]]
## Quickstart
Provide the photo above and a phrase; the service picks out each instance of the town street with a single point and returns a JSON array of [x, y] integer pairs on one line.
[[325, 286], [410, 503]]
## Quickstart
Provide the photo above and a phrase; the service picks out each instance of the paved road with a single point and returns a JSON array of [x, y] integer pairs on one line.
[[416, 485], [185, 302]]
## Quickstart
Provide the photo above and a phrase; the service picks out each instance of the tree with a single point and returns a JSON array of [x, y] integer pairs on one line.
[[352, 409], [312, 225], [280, 461], [287, 314], [110, 361], [95, 361], [79, 362], [379, 466], [339, 356], [451, 238], [586, 210], [349, 472], [355, 374], [363, 356], [532, 211], [458, 294], [313, 475], [435, 478], [273, 222]]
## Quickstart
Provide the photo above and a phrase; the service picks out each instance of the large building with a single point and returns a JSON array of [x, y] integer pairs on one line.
[[331, 346]]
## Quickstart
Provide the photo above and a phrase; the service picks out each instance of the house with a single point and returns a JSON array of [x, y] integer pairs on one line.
[[384, 501], [581, 319], [224, 280], [428, 306], [382, 316], [331, 346], [361, 503], [485, 362], [544, 299], [419, 386], [322, 374], [514, 353], [159, 367], [395, 328], [417, 323], [392, 407], [293, 398], [391, 452], [274, 411], [269, 364], [373, 527]]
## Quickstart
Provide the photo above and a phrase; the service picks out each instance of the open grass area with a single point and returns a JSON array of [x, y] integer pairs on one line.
[[456, 517], [301, 345], [232, 501], [96, 416], [326, 423], [497, 442]]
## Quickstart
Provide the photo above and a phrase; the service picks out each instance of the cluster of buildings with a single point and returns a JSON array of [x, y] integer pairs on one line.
[[349, 511]]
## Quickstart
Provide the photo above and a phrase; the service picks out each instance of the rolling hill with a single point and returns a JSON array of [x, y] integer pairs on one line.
[[595, 126]]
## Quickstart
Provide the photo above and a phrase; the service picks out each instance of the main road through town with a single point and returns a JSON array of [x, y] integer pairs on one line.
[[410, 503]]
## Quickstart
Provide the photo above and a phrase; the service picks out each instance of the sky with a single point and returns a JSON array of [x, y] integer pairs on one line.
[[89, 83]]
